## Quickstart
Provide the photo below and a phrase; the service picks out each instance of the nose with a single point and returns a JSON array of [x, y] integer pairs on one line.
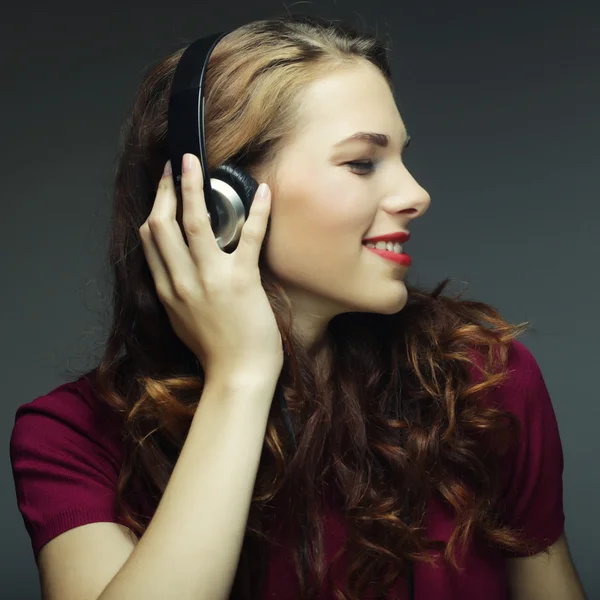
[[408, 196]]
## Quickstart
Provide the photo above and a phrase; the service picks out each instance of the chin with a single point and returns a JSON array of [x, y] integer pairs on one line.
[[388, 304], [389, 310], [391, 304]]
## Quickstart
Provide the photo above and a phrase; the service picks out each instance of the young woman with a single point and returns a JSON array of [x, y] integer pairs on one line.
[[421, 457]]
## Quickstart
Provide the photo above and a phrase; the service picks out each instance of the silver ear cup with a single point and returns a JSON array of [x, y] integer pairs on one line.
[[231, 214]]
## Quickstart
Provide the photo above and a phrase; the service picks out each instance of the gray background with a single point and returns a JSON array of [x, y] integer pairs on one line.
[[501, 101]]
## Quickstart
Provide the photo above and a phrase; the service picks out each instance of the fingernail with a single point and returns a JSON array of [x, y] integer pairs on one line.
[[167, 170], [262, 191], [188, 163]]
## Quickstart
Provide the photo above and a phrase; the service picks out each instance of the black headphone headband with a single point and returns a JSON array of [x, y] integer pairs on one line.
[[186, 107], [228, 188]]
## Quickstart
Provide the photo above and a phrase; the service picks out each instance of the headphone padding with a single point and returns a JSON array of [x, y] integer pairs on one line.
[[241, 181]]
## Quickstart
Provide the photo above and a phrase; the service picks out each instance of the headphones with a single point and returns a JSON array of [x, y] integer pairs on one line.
[[228, 189]]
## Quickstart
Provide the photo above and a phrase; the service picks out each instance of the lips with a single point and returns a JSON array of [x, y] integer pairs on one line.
[[397, 236]]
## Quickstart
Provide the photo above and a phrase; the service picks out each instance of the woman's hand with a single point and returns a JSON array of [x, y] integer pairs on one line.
[[215, 301]]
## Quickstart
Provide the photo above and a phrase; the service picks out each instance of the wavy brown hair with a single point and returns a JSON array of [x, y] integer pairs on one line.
[[398, 420]]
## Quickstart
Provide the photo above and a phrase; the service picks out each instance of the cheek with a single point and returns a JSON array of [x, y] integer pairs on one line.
[[316, 231]]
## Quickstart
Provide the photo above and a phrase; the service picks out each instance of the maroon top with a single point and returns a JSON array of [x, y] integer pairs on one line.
[[66, 451]]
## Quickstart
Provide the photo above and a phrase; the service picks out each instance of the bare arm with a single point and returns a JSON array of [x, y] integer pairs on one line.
[[191, 548], [540, 577]]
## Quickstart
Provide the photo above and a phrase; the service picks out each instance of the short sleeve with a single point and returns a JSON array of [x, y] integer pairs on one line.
[[65, 459], [533, 474]]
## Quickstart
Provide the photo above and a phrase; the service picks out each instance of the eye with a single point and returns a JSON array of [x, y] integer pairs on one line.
[[362, 165]]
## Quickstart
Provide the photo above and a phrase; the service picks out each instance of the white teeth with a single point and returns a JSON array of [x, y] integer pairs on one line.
[[389, 246]]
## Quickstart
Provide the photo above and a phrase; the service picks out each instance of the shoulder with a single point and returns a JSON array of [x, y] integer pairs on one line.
[[524, 391], [66, 456], [67, 414], [532, 471], [524, 394]]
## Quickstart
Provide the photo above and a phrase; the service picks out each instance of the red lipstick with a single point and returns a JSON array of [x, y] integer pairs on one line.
[[397, 236], [401, 259]]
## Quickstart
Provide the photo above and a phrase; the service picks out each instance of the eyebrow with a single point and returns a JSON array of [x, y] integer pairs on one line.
[[377, 139]]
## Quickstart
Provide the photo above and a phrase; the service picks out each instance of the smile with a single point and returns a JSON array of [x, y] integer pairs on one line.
[[399, 258]]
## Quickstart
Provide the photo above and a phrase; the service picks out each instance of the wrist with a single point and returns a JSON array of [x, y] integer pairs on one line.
[[244, 378]]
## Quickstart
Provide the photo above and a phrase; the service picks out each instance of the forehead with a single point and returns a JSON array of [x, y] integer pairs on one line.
[[348, 99]]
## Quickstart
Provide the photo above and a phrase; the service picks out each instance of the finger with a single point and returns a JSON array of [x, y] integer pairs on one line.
[[154, 259], [166, 232], [253, 231], [200, 236], [155, 263]]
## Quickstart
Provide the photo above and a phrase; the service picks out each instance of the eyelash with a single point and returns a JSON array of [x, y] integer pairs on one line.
[[362, 163], [369, 163]]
